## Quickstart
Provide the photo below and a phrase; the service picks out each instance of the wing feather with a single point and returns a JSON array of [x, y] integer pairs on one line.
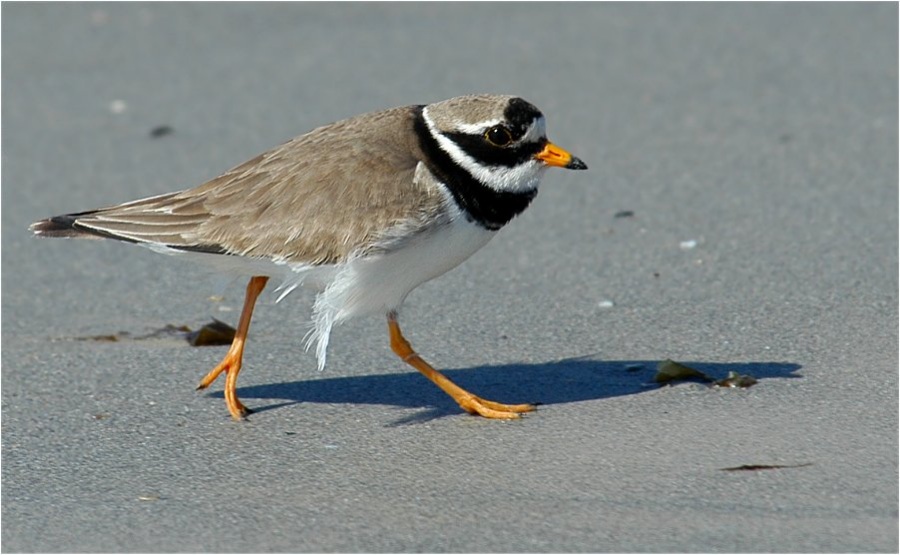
[[315, 199]]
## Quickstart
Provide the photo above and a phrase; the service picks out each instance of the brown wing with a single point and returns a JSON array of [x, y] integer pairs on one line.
[[315, 199]]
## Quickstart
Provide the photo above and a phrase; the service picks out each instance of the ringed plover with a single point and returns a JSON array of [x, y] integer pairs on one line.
[[364, 210]]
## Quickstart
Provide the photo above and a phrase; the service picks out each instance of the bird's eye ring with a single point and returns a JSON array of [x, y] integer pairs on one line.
[[498, 136]]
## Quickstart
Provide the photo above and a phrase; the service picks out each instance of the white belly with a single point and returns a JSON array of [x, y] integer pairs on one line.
[[380, 283]]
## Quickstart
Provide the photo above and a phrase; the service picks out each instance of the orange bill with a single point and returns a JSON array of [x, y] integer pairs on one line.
[[552, 155]]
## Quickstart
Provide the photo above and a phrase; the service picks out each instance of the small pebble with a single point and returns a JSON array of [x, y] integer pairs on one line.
[[161, 131]]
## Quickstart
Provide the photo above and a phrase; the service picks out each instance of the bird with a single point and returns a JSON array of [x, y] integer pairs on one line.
[[363, 211]]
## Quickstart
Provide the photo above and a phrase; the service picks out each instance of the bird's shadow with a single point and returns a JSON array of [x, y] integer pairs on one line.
[[546, 383]]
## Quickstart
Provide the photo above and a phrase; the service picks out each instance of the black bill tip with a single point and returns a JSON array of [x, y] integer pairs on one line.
[[576, 164]]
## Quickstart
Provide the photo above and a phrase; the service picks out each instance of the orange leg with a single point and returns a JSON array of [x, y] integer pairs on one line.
[[231, 364], [469, 402]]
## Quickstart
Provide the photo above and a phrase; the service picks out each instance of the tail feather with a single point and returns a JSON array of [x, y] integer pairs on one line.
[[63, 226], [96, 224]]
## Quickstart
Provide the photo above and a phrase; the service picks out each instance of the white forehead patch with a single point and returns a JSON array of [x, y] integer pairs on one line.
[[536, 132]]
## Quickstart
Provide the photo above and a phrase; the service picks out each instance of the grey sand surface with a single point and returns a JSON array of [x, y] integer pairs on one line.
[[756, 146]]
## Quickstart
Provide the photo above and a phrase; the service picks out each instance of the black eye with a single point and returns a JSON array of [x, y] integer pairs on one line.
[[498, 136]]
